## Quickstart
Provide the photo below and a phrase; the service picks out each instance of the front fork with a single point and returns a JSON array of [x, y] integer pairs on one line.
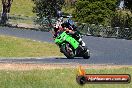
[[68, 50], [60, 47]]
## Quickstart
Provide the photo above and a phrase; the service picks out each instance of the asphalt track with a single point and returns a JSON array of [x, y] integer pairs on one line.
[[103, 50]]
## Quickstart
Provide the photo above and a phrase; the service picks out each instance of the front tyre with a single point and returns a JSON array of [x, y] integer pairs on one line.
[[67, 51]]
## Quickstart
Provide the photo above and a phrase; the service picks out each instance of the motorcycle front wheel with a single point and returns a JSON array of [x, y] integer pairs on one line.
[[67, 51]]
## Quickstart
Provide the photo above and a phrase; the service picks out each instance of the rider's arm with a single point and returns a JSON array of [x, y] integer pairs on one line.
[[69, 31]]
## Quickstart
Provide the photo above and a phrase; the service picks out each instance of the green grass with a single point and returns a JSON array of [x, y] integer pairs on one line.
[[22, 7], [21, 21], [57, 78], [18, 47]]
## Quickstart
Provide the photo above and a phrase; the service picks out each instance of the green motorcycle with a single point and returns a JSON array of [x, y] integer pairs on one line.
[[70, 47]]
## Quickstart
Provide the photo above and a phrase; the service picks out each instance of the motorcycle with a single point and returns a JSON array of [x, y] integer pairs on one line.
[[71, 47]]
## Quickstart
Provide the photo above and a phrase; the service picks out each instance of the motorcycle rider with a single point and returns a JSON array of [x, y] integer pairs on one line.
[[67, 26], [72, 29]]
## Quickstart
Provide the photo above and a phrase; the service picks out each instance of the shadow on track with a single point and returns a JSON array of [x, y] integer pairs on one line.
[[43, 60], [72, 58]]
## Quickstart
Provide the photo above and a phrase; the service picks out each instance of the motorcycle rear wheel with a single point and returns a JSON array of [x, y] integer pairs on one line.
[[86, 54]]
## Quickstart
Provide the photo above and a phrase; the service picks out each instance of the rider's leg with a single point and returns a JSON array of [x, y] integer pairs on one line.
[[82, 43]]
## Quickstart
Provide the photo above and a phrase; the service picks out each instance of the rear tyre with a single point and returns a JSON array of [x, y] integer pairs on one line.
[[86, 54], [64, 50]]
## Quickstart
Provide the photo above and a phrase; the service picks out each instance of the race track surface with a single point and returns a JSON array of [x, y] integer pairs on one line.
[[103, 50]]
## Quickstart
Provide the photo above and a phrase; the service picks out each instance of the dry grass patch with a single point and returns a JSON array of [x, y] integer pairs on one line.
[[19, 47]]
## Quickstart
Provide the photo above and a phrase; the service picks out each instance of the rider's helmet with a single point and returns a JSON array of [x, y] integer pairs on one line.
[[59, 14], [70, 23], [69, 20]]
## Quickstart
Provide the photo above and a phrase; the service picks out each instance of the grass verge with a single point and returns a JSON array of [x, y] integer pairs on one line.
[[22, 7], [18, 21], [57, 78], [19, 47]]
